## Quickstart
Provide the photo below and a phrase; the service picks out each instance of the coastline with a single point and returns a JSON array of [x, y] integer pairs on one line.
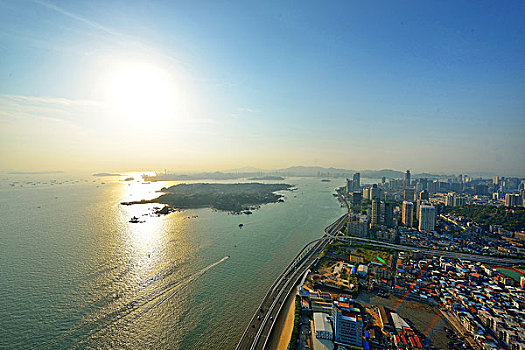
[[282, 331]]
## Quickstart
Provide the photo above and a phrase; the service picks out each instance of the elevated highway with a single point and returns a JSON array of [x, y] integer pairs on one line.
[[256, 334], [260, 326]]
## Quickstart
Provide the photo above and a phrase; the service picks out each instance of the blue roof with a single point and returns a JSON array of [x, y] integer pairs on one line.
[[366, 346]]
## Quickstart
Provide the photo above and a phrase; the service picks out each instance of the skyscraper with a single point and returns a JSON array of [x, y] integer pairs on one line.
[[388, 214], [407, 179], [366, 193], [408, 194], [376, 212], [449, 200], [357, 197], [358, 225], [460, 201], [512, 200], [357, 181], [349, 186], [427, 217], [374, 192], [382, 213], [408, 214]]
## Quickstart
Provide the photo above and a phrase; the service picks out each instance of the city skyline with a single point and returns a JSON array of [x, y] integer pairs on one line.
[[100, 86]]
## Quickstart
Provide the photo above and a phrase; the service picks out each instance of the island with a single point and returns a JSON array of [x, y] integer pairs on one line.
[[235, 198], [105, 174], [269, 177]]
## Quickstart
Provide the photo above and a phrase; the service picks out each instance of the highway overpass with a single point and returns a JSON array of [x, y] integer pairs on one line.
[[260, 326]]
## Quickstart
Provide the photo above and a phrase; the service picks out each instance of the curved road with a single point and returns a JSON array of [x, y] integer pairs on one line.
[[256, 334]]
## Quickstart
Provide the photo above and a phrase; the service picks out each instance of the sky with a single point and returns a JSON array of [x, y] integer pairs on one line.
[[435, 86]]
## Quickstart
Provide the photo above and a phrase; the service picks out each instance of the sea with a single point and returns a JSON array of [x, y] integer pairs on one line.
[[76, 274]]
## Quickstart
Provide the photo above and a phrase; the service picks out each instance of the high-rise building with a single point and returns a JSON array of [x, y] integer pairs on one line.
[[407, 179], [417, 205], [408, 214], [427, 217], [349, 186], [357, 181], [495, 180], [460, 201], [374, 192], [423, 195], [388, 214], [348, 325], [449, 200], [433, 187], [357, 197], [382, 213], [481, 189], [512, 200], [366, 193], [408, 194], [358, 225], [376, 212]]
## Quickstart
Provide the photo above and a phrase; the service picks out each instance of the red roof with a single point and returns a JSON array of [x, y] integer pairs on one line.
[[418, 342], [412, 342]]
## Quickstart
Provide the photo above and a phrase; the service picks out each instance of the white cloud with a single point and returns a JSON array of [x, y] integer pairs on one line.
[[58, 109]]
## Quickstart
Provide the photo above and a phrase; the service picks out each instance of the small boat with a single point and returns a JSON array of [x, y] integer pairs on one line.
[[134, 220], [241, 225]]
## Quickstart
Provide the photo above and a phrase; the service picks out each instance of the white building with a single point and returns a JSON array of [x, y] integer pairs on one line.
[[427, 218], [323, 326]]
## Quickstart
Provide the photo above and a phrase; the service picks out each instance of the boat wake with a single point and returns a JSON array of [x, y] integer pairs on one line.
[[133, 310]]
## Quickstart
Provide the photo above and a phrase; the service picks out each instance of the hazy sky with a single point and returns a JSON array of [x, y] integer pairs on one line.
[[129, 85]]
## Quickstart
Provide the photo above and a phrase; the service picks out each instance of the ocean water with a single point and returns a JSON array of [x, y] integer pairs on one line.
[[75, 273]]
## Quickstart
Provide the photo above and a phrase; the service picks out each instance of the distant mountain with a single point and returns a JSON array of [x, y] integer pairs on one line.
[[106, 174], [218, 175], [377, 174], [337, 172], [299, 171], [246, 169], [313, 171], [426, 175]]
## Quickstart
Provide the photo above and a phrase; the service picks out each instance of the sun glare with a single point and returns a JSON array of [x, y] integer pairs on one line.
[[139, 91]]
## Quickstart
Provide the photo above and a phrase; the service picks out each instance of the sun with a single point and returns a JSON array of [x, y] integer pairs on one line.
[[139, 91]]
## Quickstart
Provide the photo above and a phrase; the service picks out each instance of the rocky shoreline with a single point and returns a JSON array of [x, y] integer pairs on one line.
[[240, 198]]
